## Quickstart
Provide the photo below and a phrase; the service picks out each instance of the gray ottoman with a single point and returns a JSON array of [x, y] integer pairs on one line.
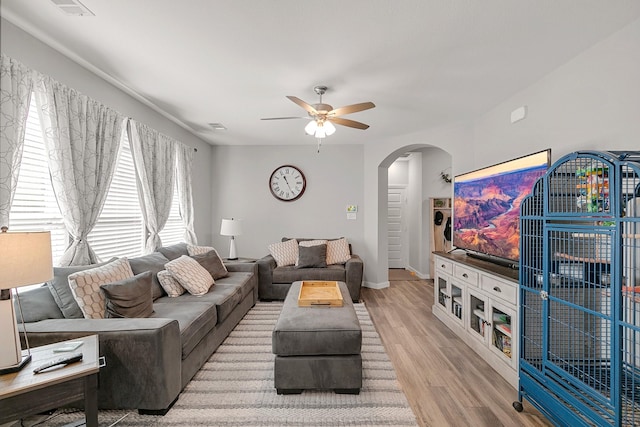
[[317, 348]]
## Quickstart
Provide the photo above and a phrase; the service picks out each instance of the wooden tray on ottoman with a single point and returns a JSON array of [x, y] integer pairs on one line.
[[318, 292]]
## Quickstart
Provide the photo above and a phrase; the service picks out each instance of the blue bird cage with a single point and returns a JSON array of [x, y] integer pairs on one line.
[[580, 291]]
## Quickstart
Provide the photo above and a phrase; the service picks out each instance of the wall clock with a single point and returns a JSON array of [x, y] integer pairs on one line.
[[287, 183]]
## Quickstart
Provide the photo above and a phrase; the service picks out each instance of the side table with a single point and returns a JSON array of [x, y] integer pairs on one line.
[[24, 393]]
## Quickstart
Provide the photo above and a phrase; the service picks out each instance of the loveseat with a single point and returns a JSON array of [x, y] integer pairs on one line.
[[148, 361], [275, 278]]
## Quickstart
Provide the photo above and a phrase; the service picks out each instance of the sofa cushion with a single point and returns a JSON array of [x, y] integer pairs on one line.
[[172, 287], [338, 251], [285, 253], [154, 263], [130, 297], [291, 274], [191, 275], [212, 262], [37, 304], [241, 280], [195, 319], [59, 288], [174, 251], [312, 256], [85, 286]]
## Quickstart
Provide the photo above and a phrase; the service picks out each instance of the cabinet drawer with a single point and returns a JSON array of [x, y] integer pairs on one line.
[[496, 288], [468, 275], [444, 266]]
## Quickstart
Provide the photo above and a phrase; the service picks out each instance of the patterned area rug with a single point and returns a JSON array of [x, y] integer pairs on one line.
[[235, 388]]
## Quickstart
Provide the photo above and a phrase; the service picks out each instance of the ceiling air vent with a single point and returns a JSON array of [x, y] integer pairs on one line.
[[217, 126], [72, 8]]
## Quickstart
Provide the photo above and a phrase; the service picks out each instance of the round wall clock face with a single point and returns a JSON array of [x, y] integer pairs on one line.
[[287, 183]]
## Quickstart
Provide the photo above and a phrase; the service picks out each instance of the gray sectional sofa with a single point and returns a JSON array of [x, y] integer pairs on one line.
[[148, 360], [274, 281]]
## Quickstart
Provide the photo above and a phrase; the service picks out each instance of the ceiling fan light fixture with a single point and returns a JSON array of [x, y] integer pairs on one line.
[[329, 128], [311, 127]]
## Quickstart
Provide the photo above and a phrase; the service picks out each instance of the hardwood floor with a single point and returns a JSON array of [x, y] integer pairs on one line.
[[446, 383]]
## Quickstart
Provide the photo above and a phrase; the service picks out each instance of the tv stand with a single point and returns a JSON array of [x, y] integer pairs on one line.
[[498, 261], [478, 300]]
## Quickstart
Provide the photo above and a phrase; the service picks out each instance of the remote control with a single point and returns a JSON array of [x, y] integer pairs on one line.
[[64, 360]]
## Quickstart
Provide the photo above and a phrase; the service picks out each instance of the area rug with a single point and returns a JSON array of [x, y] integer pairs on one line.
[[235, 387]]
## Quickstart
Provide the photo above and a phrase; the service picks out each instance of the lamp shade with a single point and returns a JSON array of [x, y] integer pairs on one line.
[[25, 258], [231, 227]]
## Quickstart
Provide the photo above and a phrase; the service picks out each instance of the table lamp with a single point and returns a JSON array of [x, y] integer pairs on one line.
[[231, 227], [25, 259]]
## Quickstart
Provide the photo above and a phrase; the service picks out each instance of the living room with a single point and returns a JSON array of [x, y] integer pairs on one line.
[[585, 97]]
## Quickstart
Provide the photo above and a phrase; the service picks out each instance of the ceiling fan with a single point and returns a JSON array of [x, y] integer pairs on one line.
[[323, 116]]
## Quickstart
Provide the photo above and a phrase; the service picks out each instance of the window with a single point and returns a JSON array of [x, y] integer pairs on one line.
[[119, 230], [35, 207]]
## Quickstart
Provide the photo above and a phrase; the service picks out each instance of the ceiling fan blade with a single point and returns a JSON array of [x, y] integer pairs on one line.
[[347, 122], [351, 109], [303, 104], [283, 118]]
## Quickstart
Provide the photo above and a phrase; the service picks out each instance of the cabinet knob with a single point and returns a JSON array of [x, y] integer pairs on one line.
[[497, 289], [442, 266], [465, 275]]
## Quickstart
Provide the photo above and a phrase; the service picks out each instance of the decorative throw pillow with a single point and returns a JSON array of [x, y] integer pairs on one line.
[[191, 275], [85, 286], [312, 256], [212, 262], [130, 297], [59, 287], [309, 243], [171, 286], [153, 262], [285, 253], [338, 251], [198, 250]]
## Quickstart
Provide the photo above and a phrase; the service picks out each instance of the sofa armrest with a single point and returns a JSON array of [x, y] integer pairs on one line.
[[142, 356], [353, 276], [243, 267], [266, 265]]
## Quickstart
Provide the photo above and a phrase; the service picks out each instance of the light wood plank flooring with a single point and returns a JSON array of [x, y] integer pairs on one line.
[[446, 383]]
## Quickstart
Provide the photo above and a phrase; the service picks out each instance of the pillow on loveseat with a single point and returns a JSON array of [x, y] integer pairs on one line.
[[130, 297], [338, 251], [285, 253], [312, 256]]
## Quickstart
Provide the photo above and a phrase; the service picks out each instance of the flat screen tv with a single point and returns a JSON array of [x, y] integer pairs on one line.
[[486, 206]]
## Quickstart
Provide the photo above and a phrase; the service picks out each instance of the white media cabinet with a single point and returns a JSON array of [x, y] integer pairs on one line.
[[478, 300]]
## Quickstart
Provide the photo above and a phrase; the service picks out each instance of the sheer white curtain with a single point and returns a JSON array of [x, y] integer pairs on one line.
[[154, 157], [184, 163], [16, 84], [82, 138]]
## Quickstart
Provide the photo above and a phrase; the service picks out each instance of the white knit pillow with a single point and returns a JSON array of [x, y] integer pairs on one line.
[[171, 286], [85, 286], [191, 275], [198, 250], [338, 251], [285, 253]]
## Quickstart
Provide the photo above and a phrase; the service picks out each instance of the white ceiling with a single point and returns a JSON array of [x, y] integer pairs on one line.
[[423, 63]]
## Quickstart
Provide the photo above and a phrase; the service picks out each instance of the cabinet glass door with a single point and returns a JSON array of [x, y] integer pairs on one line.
[[441, 289], [477, 309], [501, 335], [456, 301]]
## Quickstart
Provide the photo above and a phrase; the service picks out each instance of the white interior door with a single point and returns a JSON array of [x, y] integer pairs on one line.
[[396, 228]]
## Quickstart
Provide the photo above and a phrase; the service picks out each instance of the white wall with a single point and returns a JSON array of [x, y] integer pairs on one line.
[[241, 190], [591, 102], [40, 57]]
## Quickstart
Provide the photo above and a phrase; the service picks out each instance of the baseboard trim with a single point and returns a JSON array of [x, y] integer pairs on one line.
[[418, 274], [380, 285]]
